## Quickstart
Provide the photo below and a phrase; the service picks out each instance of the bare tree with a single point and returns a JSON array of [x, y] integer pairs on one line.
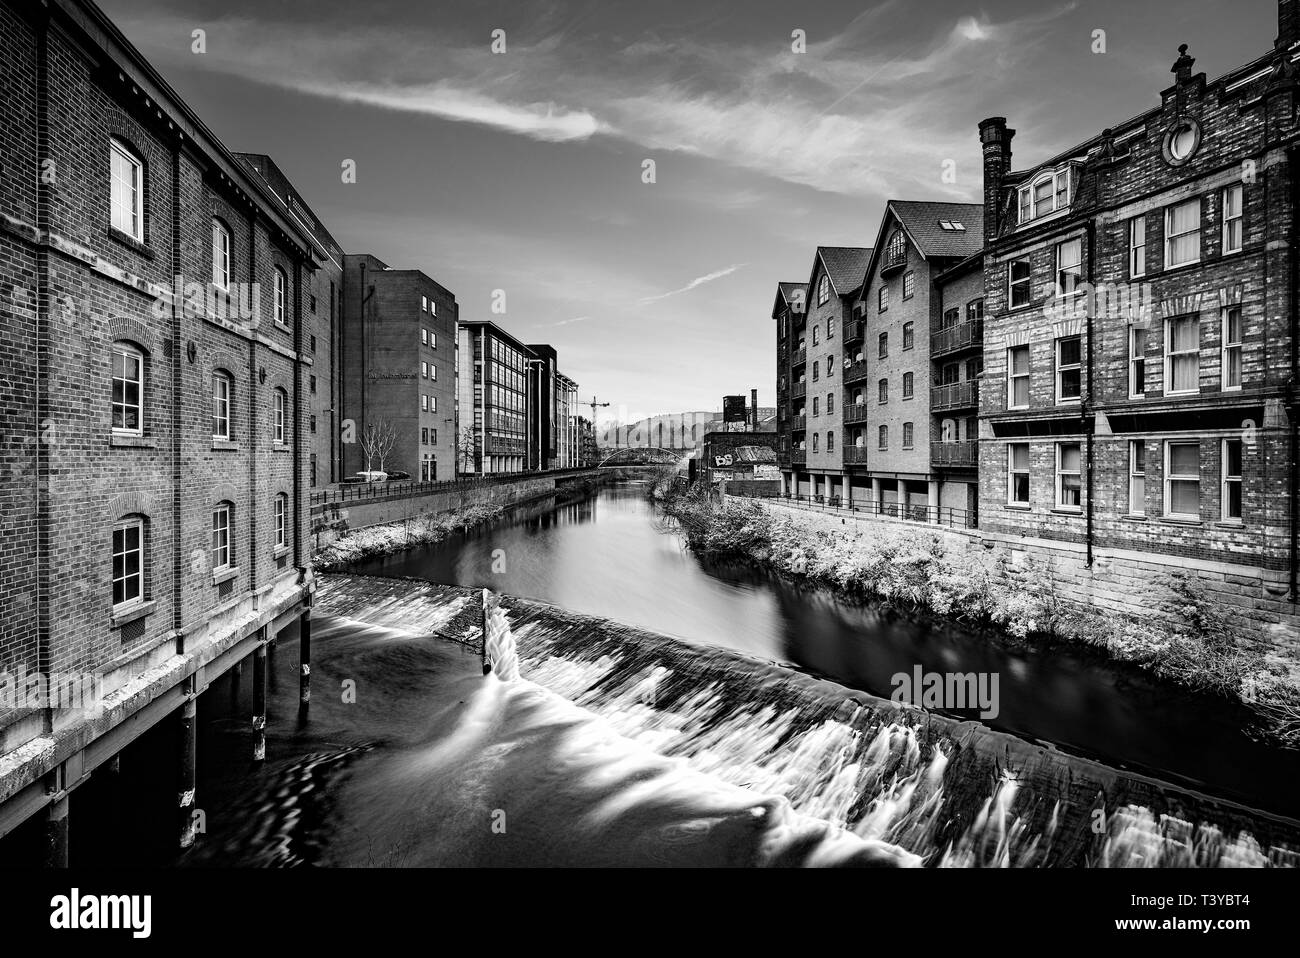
[[377, 442], [465, 447]]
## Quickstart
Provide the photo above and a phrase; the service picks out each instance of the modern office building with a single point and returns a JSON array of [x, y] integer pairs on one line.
[[399, 372], [492, 399]]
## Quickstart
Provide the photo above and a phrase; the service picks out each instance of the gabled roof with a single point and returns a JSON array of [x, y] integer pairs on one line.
[[845, 265], [923, 222], [785, 293]]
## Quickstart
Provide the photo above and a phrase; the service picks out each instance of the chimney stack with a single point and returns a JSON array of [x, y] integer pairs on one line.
[[1288, 24], [995, 140], [753, 400]]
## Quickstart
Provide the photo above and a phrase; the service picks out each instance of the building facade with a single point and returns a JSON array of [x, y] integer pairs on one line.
[[399, 375], [156, 375], [322, 321], [1140, 326], [492, 399]]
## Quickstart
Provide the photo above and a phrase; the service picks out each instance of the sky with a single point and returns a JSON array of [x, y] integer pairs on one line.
[[524, 170]]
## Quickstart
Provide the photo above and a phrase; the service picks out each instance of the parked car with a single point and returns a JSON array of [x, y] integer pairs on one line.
[[351, 481], [373, 476], [392, 476]]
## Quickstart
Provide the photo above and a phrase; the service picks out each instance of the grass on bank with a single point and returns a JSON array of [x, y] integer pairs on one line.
[[1190, 642], [422, 530]]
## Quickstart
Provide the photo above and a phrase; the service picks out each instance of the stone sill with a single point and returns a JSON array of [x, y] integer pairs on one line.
[[129, 614], [279, 551], [1175, 521], [117, 441], [131, 242], [1060, 511], [281, 447], [1017, 507], [224, 575], [225, 445]]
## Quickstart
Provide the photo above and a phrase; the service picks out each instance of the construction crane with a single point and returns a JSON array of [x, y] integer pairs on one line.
[[594, 406]]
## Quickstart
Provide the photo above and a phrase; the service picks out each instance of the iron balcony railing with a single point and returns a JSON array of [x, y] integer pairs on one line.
[[799, 456], [799, 423], [855, 412], [956, 338], [799, 390], [799, 356], [934, 515], [962, 395], [964, 452], [893, 260], [855, 372], [855, 455], [854, 330]]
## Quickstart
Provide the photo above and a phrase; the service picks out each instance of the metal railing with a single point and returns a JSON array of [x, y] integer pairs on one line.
[[854, 372], [855, 412], [955, 338], [893, 259], [799, 457], [963, 452], [962, 395], [799, 357], [799, 423], [798, 390], [930, 515], [352, 492], [854, 330], [855, 455]]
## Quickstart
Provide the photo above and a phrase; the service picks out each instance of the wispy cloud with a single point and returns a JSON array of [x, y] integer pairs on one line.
[[693, 284]]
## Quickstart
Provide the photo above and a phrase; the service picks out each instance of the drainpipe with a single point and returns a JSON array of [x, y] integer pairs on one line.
[[1089, 423], [1293, 156]]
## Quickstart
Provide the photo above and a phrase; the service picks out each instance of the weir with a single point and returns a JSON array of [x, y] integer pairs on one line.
[[954, 793]]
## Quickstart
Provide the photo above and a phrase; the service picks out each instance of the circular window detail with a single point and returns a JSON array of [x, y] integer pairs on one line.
[[1181, 142]]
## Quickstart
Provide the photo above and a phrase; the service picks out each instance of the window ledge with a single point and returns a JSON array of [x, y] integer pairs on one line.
[[1176, 521], [279, 551], [1018, 506], [281, 326], [224, 575], [129, 614], [1065, 511], [281, 447], [131, 242], [225, 445], [1133, 518], [1230, 524], [132, 442]]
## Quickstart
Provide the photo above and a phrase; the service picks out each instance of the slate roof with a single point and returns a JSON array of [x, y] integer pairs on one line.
[[845, 265], [788, 289], [921, 219]]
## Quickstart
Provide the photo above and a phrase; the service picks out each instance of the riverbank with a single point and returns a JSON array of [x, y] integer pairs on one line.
[[1185, 641]]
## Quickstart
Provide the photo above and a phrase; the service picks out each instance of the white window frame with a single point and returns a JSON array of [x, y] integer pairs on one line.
[[424, 402], [882, 298], [1062, 473], [1027, 282], [424, 304], [424, 370], [433, 372], [909, 385], [1229, 347], [1170, 236], [124, 526], [424, 336], [1060, 183], [279, 514], [1231, 220], [1226, 480], [1170, 479], [1061, 265], [221, 403], [281, 306], [823, 291], [433, 404], [1012, 472], [220, 255], [127, 352], [1060, 368], [279, 407], [1171, 356], [1012, 376], [909, 284], [1137, 247], [221, 547], [1137, 472], [1137, 386], [126, 191]]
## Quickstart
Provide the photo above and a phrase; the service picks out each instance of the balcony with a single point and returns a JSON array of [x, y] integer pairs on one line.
[[798, 390], [799, 357], [855, 372], [962, 395], [855, 413], [954, 339], [799, 457], [893, 261], [854, 330], [855, 455], [799, 423], [962, 453]]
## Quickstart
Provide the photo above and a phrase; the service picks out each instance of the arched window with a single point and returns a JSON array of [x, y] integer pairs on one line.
[[907, 435], [823, 291], [896, 251], [128, 561], [222, 397], [830, 442], [883, 438], [126, 200], [220, 254], [279, 523], [223, 550], [278, 414], [908, 385], [127, 393], [281, 297]]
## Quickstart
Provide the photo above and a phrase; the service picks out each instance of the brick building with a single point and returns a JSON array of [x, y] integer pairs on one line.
[[819, 339], [322, 322], [398, 338], [791, 299], [1140, 326], [913, 358], [155, 384]]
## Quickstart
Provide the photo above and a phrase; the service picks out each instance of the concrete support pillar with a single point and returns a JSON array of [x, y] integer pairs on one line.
[[56, 833], [236, 680], [259, 702], [848, 491], [934, 500], [304, 652], [877, 493], [188, 758]]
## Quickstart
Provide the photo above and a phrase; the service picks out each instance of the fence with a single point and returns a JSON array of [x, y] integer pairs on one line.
[[398, 489], [934, 515]]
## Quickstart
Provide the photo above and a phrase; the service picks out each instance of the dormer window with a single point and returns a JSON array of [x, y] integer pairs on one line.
[[1046, 194]]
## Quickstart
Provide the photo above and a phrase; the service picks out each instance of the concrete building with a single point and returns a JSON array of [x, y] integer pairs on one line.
[[1140, 333], [156, 370], [552, 437], [399, 374], [492, 399], [322, 319], [566, 399], [915, 357]]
